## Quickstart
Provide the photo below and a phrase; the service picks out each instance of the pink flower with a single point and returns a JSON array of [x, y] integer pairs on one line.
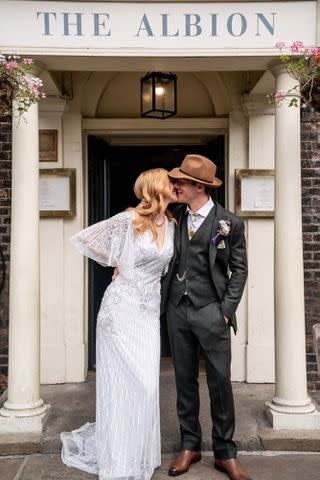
[[36, 82], [29, 88], [28, 61], [296, 46], [22, 80], [11, 65], [280, 45], [312, 50], [315, 52], [279, 96]]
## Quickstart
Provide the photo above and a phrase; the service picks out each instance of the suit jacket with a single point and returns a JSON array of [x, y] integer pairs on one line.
[[228, 266]]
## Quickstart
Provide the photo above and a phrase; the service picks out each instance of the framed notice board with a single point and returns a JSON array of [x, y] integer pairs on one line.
[[254, 193], [57, 192]]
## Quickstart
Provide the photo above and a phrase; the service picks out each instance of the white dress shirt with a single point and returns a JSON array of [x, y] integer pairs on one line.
[[195, 221]]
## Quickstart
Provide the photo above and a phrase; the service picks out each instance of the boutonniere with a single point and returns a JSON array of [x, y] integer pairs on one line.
[[222, 232]]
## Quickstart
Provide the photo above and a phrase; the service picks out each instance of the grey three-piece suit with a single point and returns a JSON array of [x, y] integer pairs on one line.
[[203, 284]]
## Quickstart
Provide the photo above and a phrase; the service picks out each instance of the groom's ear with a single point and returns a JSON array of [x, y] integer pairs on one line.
[[200, 187]]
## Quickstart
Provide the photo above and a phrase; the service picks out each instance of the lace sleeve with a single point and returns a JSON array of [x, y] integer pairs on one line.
[[104, 241]]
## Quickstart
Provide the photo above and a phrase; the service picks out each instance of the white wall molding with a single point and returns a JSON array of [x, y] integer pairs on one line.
[[151, 126]]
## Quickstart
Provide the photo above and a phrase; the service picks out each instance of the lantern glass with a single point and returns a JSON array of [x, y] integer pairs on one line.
[[146, 94], [158, 95]]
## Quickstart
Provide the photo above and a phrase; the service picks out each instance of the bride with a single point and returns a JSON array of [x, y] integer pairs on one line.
[[124, 442]]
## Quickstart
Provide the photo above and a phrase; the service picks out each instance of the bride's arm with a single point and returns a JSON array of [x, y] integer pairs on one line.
[[103, 241]]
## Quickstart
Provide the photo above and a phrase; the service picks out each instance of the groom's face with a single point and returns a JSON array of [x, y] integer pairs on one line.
[[186, 191]]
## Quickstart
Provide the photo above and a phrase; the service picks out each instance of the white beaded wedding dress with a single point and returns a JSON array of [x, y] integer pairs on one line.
[[124, 442]]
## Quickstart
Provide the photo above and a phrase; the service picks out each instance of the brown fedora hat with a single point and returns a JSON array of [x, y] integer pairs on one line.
[[197, 169]]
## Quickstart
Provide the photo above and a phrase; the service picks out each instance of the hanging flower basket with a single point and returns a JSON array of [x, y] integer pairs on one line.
[[16, 85], [303, 64], [8, 89]]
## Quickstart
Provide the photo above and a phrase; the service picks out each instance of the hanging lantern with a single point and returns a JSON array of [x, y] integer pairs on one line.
[[158, 95]]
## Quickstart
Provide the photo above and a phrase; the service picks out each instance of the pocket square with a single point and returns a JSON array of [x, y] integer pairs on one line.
[[221, 244]]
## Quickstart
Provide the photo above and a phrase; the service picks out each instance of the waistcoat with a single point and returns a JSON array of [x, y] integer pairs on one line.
[[193, 267]]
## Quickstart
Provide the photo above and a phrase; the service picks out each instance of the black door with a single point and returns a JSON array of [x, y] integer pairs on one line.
[[112, 173]]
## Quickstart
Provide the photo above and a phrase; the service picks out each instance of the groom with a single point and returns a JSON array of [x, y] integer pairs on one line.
[[200, 294]]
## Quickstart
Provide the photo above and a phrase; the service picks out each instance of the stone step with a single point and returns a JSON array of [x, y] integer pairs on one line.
[[74, 404]]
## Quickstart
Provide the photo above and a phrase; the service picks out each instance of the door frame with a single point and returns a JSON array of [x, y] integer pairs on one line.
[[141, 131]]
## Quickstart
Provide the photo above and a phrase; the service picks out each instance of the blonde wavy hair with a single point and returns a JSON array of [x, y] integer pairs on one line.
[[151, 187]]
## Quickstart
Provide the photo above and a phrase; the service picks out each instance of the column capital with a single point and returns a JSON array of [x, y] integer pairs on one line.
[[285, 81], [256, 104], [277, 67], [37, 67], [53, 105]]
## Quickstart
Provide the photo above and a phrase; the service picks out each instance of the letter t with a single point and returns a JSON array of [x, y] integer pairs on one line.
[[46, 17]]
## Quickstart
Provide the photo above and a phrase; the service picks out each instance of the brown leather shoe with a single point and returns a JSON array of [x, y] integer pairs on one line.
[[183, 461], [232, 468]]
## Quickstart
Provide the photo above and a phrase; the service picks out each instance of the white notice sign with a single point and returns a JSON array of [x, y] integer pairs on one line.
[[54, 193], [257, 193]]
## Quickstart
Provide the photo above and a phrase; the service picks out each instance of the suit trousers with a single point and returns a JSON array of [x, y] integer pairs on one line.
[[189, 329]]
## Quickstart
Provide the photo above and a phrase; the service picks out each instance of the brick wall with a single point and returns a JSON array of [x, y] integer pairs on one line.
[[310, 169], [5, 216]]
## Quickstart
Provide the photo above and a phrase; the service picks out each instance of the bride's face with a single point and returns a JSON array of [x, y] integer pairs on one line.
[[169, 192]]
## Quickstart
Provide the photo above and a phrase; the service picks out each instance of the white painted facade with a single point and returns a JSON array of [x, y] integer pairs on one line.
[[224, 76], [63, 274]]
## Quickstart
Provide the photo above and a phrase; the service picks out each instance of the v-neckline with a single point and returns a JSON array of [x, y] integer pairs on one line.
[[164, 239]]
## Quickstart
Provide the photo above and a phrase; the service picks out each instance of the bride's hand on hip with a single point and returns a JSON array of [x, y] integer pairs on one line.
[[115, 274]]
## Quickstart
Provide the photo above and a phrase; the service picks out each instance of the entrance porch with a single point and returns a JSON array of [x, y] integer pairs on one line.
[[218, 96], [73, 404]]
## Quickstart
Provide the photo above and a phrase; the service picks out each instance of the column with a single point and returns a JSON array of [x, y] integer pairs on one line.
[[291, 408], [24, 411], [260, 235]]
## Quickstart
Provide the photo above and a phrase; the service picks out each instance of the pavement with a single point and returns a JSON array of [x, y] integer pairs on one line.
[[266, 453], [261, 467]]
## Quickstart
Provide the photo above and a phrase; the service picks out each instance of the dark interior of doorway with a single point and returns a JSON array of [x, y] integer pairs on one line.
[[111, 175]]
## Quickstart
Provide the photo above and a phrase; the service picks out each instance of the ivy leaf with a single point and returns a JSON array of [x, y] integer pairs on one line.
[[293, 102]]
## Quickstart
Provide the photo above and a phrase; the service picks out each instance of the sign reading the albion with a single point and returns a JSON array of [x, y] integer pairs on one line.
[[190, 25], [103, 25]]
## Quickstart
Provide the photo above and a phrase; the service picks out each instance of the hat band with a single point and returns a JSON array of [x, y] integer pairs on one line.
[[197, 178]]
